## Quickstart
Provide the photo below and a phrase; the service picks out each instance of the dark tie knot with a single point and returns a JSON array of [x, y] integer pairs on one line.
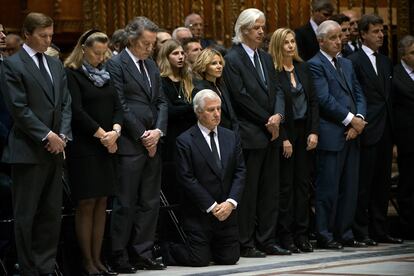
[[375, 54], [211, 134], [39, 57]]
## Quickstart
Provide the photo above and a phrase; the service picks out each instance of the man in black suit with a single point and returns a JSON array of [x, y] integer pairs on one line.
[[306, 40], [211, 172], [403, 107], [344, 21], [259, 105], [342, 109], [374, 72], [354, 42], [135, 211], [36, 94]]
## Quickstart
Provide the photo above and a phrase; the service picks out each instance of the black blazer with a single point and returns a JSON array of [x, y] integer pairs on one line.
[[312, 112], [253, 101], [34, 110], [197, 173], [306, 41], [144, 108], [377, 91], [92, 107], [403, 106], [228, 117]]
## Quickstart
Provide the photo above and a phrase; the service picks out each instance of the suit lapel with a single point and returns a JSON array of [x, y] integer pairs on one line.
[[56, 85], [34, 70], [134, 72], [406, 77], [369, 69], [247, 61], [224, 149], [205, 150], [333, 71]]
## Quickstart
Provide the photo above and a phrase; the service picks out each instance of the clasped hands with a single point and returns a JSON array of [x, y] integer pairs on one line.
[[223, 210], [150, 140], [109, 141], [55, 144], [357, 126], [272, 126]]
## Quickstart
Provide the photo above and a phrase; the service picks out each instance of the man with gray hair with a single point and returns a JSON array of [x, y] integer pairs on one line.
[[403, 105], [181, 33], [137, 81], [306, 35], [210, 170], [342, 109], [259, 105]]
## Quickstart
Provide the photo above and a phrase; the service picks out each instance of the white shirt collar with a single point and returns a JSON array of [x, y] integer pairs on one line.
[[134, 58], [328, 56], [205, 131], [313, 24], [408, 69], [367, 50], [248, 50], [29, 50]]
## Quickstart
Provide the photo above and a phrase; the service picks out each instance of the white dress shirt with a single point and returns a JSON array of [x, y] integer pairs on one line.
[[32, 53], [370, 53], [135, 59], [206, 134]]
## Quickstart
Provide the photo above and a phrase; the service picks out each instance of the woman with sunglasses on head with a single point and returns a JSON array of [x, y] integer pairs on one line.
[[299, 134], [96, 126]]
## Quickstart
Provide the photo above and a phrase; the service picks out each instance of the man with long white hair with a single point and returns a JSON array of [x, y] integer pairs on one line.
[[259, 106]]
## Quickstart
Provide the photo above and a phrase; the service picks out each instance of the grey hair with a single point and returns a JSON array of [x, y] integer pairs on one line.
[[325, 27], [200, 99], [138, 25], [176, 30], [405, 42], [246, 20]]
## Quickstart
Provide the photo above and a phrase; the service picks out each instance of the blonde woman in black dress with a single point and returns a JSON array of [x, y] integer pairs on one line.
[[96, 124]]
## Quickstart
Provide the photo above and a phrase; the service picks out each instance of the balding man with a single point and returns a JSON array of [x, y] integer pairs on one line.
[[181, 33], [195, 23]]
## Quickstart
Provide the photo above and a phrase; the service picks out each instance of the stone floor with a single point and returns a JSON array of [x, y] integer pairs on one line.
[[383, 260]]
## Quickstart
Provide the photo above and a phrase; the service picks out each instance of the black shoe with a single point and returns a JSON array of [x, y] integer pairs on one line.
[[108, 271], [276, 250], [148, 264], [304, 246], [368, 241], [291, 247], [124, 268], [389, 239], [252, 252], [353, 243], [332, 244]]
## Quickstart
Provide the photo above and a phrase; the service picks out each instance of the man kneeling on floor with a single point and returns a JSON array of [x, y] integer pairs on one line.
[[210, 169]]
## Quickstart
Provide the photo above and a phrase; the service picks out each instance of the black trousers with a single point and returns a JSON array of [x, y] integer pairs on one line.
[[258, 209], [293, 219], [37, 202], [136, 205], [208, 239], [374, 188]]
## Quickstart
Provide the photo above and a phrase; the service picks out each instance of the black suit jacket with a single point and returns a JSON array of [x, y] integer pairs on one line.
[[5, 119], [202, 181], [312, 112], [35, 112], [306, 41], [253, 101], [403, 106], [144, 109], [228, 117], [377, 91]]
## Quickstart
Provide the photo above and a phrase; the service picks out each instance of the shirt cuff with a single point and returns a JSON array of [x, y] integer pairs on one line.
[[360, 116], [44, 138], [348, 119], [232, 201], [211, 207]]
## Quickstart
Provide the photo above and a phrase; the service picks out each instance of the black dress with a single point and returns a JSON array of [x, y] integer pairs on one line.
[[91, 167]]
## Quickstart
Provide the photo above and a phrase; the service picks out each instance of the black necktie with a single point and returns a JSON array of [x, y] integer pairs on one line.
[[214, 150], [353, 43], [258, 67], [44, 72], [335, 61], [376, 63], [143, 73]]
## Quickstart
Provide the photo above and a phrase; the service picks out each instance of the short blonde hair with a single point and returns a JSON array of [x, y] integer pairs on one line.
[[203, 60], [277, 42]]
